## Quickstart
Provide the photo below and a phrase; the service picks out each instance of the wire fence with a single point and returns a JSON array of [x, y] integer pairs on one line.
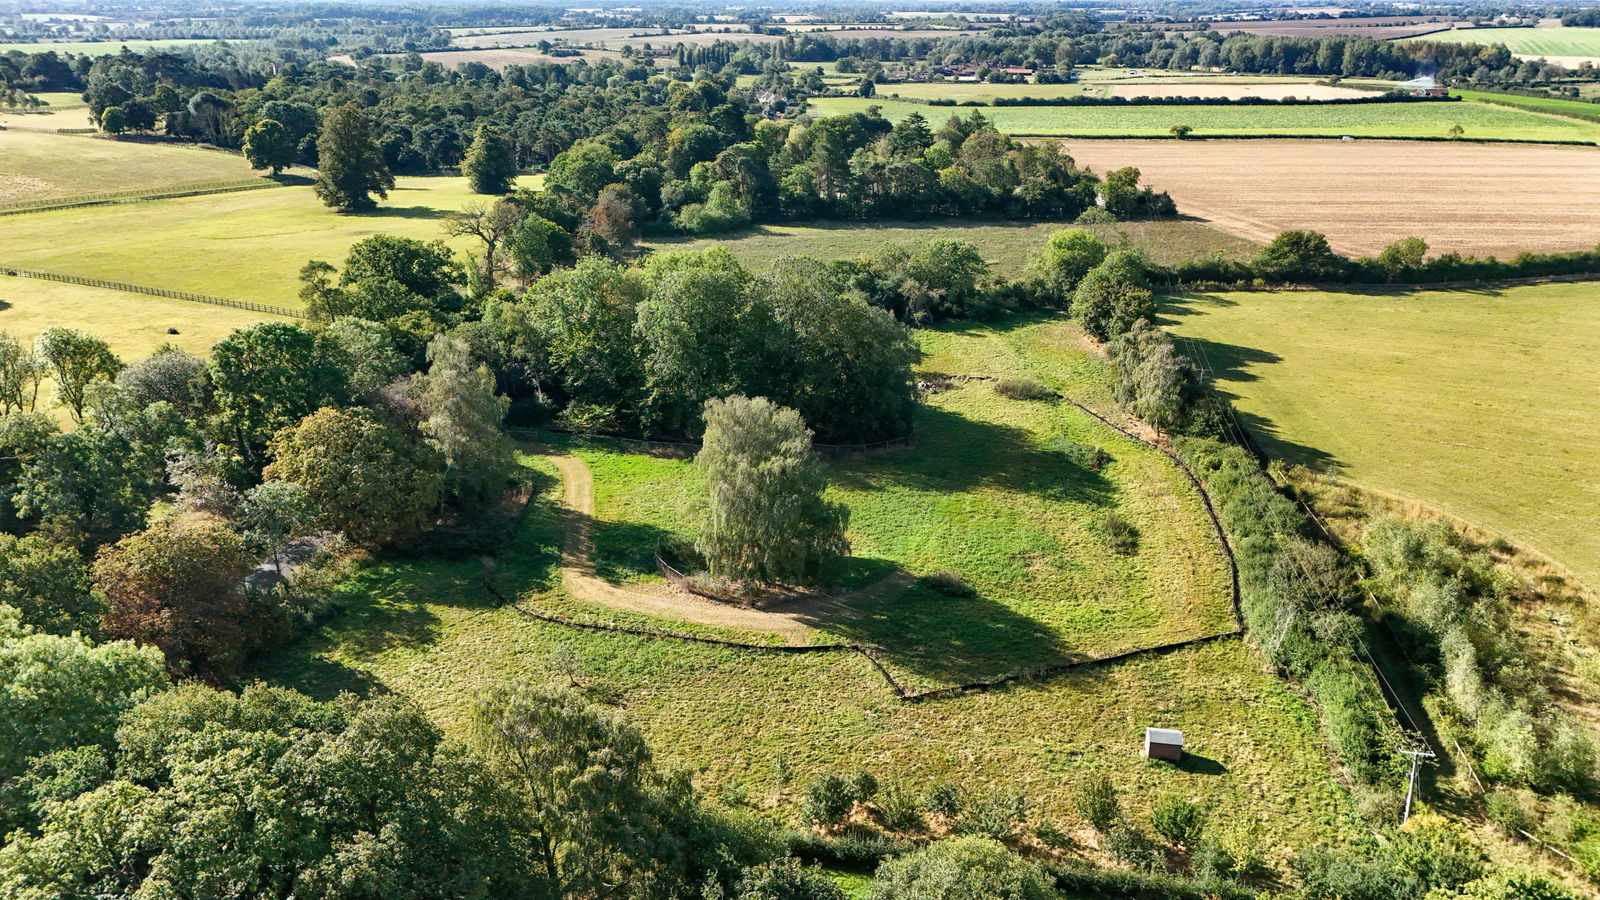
[[211, 187], [157, 292]]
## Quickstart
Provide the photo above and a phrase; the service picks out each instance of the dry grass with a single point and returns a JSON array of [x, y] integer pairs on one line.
[[1380, 28], [36, 166], [1469, 198]]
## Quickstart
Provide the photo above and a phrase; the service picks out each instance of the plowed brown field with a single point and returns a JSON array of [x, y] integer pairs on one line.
[[1469, 198]]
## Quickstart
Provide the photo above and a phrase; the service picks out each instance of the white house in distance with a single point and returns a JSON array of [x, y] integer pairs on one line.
[[1163, 743]]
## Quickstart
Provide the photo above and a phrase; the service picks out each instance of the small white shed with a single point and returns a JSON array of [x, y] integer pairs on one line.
[[1163, 743]]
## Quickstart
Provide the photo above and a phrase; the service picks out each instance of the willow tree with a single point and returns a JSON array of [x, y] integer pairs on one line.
[[766, 520]]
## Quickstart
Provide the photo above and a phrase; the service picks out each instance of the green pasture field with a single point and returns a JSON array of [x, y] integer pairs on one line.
[[133, 324], [1006, 245], [1578, 109], [988, 493], [36, 166], [983, 92], [1480, 403], [980, 493], [1525, 41], [1480, 120], [105, 48], [248, 245]]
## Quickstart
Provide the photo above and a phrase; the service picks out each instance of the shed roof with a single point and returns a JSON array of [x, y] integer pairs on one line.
[[1164, 736]]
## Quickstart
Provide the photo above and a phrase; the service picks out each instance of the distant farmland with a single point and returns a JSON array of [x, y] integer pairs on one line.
[[103, 48], [1377, 27], [1469, 198], [1479, 120], [1566, 46]]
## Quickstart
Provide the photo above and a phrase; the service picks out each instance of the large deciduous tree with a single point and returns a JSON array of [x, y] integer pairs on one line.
[[766, 519], [268, 145], [350, 167], [371, 480], [269, 376], [75, 360], [464, 415], [179, 586], [489, 165]]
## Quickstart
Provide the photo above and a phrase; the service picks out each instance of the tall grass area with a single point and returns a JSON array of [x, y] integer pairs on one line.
[[1480, 404], [244, 246], [35, 166], [756, 727], [1005, 245], [1391, 120]]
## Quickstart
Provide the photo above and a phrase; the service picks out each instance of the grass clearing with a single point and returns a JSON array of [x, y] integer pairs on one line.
[[1395, 120], [1163, 85], [1484, 404], [1006, 245], [37, 166], [991, 493], [133, 324], [756, 726], [245, 246]]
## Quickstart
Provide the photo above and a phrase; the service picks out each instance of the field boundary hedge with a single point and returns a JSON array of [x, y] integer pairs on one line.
[[108, 197], [1192, 136], [156, 292]]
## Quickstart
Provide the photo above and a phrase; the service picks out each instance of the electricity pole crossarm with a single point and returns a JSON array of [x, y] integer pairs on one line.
[[1417, 756]]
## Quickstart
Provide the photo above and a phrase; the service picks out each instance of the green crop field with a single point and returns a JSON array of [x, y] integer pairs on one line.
[[1578, 109], [1007, 245], [984, 493], [1100, 84], [1484, 404], [103, 48], [35, 166], [1479, 120], [244, 246], [1526, 41]]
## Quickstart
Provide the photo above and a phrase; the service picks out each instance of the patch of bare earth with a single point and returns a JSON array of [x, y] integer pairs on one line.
[[1483, 199]]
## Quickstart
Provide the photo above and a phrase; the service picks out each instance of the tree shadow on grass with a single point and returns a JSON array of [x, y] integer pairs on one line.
[[623, 551], [955, 454], [946, 639]]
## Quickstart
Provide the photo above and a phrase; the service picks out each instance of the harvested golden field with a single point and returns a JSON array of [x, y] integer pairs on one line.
[[1305, 90], [500, 57], [609, 38], [1469, 198]]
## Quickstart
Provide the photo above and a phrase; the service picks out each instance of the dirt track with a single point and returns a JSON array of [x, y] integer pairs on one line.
[[1483, 199], [793, 622]]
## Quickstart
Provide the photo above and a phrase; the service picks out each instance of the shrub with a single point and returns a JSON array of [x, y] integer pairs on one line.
[[864, 786], [1130, 846], [944, 798], [1092, 458], [898, 808], [994, 815], [950, 584], [1179, 821], [1507, 811], [1098, 804], [1095, 215], [1054, 836], [960, 869], [1211, 861], [1023, 389], [786, 879], [826, 800], [1120, 534]]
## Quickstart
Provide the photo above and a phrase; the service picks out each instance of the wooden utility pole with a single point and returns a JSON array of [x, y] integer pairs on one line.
[[1417, 756]]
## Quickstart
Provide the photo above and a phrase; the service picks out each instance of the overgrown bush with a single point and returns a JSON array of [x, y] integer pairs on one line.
[[1023, 389], [950, 584], [945, 799], [1132, 847], [1178, 820], [898, 808], [1082, 455], [826, 800], [1097, 802], [996, 815], [962, 868], [1120, 534]]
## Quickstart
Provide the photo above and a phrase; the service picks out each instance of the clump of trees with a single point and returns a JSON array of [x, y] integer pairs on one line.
[[766, 519]]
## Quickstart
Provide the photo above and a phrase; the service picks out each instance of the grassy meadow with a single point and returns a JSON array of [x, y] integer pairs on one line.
[[984, 493], [1006, 244], [36, 166], [1484, 404], [245, 246], [1478, 120], [1579, 109]]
